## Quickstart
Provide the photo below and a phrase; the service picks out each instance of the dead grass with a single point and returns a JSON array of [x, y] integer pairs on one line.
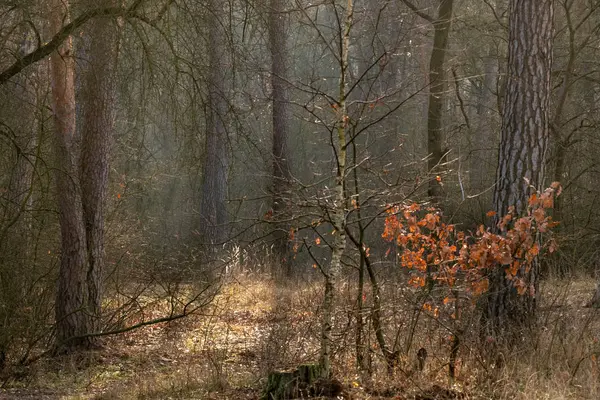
[[254, 326]]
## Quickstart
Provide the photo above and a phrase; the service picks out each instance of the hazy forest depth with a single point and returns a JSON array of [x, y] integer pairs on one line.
[[281, 199]]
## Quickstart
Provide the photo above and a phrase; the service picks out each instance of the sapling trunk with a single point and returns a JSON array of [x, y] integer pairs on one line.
[[338, 212]]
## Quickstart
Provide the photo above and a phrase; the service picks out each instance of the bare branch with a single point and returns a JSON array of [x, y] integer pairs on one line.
[[420, 13], [45, 50]]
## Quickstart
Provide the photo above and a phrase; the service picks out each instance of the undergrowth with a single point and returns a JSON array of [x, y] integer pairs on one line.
[[256, 325]]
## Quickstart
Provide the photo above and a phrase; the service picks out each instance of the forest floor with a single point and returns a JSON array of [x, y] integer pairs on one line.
[[251, 328]]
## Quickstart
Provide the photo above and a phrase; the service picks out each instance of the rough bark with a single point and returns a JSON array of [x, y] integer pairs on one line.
[[72, 318], [280, 114], [525, 131], [97, 100], [213, 211]]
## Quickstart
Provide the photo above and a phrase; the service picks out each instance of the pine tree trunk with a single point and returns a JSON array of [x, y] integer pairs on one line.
[[72, 318], [97, 103], [525, 130]]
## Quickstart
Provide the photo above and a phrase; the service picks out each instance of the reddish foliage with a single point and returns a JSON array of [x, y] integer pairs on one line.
[[437, 251]]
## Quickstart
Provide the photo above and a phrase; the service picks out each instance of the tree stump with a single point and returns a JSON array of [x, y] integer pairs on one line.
[[282, 385]]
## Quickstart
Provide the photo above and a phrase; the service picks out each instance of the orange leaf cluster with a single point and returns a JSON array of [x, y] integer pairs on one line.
[[436, 251]]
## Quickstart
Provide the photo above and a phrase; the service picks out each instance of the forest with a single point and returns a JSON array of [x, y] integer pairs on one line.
[[293, 199]]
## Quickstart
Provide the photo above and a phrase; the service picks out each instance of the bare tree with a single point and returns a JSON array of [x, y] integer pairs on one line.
[[340, 201], [437, 87]]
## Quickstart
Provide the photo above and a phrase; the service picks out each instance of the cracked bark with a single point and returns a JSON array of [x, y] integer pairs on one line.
[[522, 153]]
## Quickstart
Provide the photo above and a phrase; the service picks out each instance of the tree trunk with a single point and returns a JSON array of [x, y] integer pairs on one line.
[[437, 87], [72, 318], [97, 99], [213, 211], [362, 347], [338, 219], [301, 382], [281, 163], [525, 131]]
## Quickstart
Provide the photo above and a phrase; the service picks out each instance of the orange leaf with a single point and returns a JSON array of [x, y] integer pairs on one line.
[[535, 250], [490, 213], [533, 199], [548, 201], [431, 221], [417, 281], [514, 268], [480, 286], [539, 215]]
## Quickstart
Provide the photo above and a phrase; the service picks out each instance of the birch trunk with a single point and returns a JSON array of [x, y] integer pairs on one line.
[[338, 212]]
